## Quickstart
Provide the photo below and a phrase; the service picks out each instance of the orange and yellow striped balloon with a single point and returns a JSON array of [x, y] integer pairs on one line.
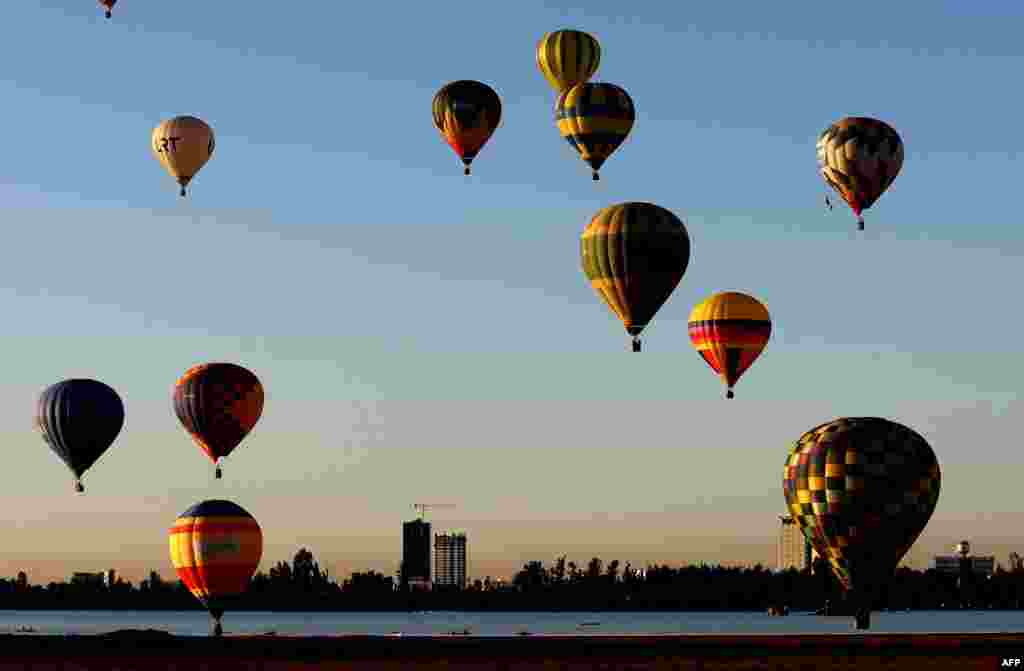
[[183, 145], [730, 330], [215, 548], [634, 255]]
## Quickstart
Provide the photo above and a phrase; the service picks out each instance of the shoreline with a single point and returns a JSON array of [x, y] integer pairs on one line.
[[156, 650]]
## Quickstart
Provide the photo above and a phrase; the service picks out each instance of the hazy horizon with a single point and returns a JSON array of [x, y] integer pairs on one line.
[[427, 337]]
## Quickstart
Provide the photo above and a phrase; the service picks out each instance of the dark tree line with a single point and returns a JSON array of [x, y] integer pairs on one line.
[[303, 585]]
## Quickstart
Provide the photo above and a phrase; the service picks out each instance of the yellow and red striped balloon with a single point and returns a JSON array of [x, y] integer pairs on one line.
[[215, 548], [730, 330]]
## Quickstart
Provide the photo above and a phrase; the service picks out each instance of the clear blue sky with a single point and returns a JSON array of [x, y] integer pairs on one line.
[[423, 336]]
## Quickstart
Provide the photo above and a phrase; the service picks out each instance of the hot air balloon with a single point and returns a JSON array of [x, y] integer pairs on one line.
[[108, 5], [634, 255], [567, 58], [859, 158], [215, 548], [862, 490], [467, 113], [183, 145], [730, 330], [218, 404], [595, 119], [79, 419]]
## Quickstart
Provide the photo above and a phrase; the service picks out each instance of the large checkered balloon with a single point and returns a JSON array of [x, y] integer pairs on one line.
[[862, 490]]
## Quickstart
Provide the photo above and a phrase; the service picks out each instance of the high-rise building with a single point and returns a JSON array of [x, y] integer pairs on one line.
[[450, 559], [416, 553], [794, 550], [950, 564]]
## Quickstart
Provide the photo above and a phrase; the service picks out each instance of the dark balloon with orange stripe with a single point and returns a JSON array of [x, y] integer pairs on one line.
[[215, 548], [108, 5], [218, 404], [730, 330]]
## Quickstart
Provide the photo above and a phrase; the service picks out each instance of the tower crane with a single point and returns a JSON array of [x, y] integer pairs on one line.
[[421, 508]]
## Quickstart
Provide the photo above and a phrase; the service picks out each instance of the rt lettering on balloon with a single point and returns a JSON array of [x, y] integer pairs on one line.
[[167, 144]]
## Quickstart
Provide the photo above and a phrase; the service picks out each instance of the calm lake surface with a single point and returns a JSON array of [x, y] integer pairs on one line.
[[196, 623]]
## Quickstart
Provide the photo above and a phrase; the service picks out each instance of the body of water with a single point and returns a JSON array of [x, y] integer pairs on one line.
[[197, 623]]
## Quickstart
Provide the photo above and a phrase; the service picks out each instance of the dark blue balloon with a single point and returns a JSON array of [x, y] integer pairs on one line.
[[79, 420]]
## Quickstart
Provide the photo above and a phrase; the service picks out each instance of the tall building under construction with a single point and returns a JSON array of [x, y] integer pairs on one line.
[[416, 554]]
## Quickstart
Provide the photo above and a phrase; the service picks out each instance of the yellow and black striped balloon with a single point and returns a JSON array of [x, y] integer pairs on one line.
[[466, 113], [183, 145], [859, 157], [595, 119], [634, 255], [567, 58], [862, 490], [730, 330]]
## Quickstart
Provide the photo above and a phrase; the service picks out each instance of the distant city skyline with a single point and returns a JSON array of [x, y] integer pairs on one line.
[[423, 336]]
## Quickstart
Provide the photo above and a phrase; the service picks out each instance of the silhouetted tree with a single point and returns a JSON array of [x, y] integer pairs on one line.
[[303, 585]]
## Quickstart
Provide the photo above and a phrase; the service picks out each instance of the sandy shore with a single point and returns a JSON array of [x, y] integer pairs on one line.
[[156, 651]]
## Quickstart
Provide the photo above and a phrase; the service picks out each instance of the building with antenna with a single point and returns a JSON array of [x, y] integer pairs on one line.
[[793, 549]]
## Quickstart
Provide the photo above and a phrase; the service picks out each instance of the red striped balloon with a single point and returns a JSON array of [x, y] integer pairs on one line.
[[215, 548], [730, 330]]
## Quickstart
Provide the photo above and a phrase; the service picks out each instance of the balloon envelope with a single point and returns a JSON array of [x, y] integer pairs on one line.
[[79, 419], [466, 113], [215, 548], [862, 490], [859, 157], [218, 404], [595, 119], [634, 255], [183, 145], [730, 330], [567, 58]]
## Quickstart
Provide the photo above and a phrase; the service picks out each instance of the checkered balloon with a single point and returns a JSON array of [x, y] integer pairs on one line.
[[862, 490]]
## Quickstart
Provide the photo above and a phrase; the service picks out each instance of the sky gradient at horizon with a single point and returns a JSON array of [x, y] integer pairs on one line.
[[427, 337]]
